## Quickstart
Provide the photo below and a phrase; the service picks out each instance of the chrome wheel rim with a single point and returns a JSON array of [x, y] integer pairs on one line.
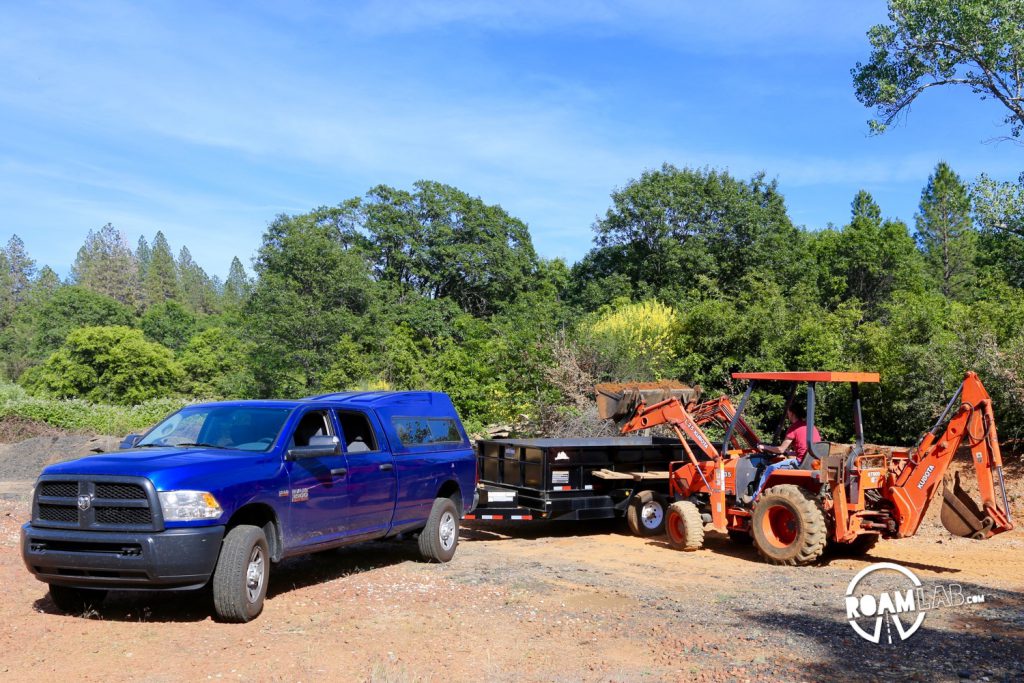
[[447, 531], [255, 574]]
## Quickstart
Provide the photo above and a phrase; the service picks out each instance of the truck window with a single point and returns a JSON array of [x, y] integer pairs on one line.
[[359, 437], [314, 423], [422, 431]]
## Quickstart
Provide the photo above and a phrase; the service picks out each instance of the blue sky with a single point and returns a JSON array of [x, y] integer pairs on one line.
[[207, 119]]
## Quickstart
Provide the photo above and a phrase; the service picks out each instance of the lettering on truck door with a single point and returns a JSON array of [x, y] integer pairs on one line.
[[317, 494]]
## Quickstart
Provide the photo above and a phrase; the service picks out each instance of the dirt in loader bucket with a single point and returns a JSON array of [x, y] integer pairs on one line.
[[618, 400]]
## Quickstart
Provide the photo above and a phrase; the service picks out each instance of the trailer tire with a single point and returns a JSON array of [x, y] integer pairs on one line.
[[684, 526], [440, 537], [788, 526], [646, 514], [242, 574], [76, 600]]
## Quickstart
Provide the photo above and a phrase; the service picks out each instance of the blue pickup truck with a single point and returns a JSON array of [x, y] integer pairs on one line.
[[217, 492]]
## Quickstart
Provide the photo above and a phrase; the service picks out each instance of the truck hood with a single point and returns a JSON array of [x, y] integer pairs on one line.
[[170, 468]]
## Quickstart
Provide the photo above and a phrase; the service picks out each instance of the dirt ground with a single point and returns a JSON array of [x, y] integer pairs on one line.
[[537, 601]]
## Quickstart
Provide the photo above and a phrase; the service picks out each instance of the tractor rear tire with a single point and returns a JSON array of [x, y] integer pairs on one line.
[[860, 546], [788, 526], [646, 514], [684, 526]]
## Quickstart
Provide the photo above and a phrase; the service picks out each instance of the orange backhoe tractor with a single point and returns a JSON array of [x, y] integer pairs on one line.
[[846, 495]]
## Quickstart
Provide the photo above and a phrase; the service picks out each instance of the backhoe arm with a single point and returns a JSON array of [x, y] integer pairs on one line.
[[972, 426], [722, 411]]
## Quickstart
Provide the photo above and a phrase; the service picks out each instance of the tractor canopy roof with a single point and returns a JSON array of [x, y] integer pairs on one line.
[[812, 376]]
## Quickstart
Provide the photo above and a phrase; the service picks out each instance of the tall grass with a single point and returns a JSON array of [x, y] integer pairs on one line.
[[82, 416]]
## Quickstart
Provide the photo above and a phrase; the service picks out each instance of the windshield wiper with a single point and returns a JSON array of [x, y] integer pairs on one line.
[[201, 445]]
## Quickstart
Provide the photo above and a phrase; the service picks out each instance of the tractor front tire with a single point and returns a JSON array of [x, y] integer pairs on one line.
[[646, 514], [788, 526], [684, 526]]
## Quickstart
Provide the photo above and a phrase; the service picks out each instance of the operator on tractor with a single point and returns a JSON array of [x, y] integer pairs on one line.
[[794, 442]]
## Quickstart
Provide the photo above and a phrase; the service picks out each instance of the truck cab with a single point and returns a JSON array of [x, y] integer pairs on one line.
[[218, 492]]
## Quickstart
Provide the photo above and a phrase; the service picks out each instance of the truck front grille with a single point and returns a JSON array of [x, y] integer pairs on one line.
[[98, 503]]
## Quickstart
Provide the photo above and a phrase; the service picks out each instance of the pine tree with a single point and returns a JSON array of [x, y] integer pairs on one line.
[[197, 291], [944, 230], [161, 273], [238, 286], [106, 264], [21, 268], [143, 255]]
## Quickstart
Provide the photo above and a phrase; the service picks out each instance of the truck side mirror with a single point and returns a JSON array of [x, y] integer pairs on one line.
[[130, 441], [318, 446]]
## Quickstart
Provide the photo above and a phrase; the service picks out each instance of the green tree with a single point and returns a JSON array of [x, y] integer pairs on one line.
[[20, 267], [973, 43], [161, 273], [108, 365], [70, 308], [169, 323], [143, 255], [674, 229], [440, 242], [238, 286], [216, 365], [197, 290], [945, 231], [105, 264], [311, 292]]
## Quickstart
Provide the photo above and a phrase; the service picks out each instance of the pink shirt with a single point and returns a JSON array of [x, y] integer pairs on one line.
[[798, 433]]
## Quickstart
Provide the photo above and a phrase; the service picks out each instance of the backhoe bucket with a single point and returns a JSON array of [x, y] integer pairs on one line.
[[617, 401], [961, 515]]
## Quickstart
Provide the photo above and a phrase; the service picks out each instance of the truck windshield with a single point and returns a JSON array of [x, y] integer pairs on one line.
[[242, 428]]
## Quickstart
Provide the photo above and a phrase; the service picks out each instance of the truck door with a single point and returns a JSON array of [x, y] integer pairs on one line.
[[372, 479], [318, 494]]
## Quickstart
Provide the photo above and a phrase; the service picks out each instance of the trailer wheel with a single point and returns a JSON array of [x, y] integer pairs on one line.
[[788, 526], [242, 573], [684, 526], [440, 537], [862, 545], [76, 600], [646, 514]]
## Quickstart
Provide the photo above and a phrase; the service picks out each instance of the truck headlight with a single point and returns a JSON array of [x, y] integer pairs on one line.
[[185, 506]]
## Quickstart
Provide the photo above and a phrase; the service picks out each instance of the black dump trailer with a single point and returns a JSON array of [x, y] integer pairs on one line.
[[576, 479]]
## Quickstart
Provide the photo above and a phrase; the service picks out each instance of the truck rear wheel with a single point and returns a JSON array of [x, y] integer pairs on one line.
[[788, 526], [684, 526], [242, 573], [76, 600], [646, 514], [440, 537]]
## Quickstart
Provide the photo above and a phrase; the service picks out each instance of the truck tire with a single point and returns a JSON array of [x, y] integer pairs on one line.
[[242, 573], [862, 545], [684, 526], [440, 537], [646, 514], [76, 600], [788, 526]]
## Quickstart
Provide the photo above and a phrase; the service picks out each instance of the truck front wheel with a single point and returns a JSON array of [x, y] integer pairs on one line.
[[440, 536], [240, 579], [76, 600]]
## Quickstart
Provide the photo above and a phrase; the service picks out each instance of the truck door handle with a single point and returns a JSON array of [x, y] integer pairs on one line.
[[339, 471], [386, 467]]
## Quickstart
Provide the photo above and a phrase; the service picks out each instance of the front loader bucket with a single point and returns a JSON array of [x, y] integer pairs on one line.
[[616, 401], [961, 515]]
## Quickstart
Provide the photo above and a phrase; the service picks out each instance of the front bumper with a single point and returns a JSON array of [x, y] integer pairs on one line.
[[174, 558]]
